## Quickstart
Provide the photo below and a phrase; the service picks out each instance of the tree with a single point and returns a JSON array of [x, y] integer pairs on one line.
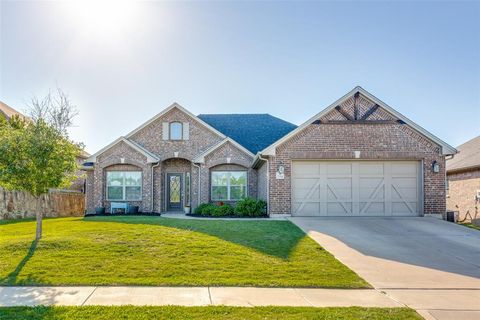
[[37, 155], [55, 109]]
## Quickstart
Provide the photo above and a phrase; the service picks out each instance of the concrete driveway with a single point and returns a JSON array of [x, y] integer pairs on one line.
[[428, 264]]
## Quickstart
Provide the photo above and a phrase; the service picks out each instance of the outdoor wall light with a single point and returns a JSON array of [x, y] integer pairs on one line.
[[435, 167]]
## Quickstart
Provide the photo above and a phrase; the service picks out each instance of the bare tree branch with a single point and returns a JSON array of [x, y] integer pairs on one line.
[[55, 109]]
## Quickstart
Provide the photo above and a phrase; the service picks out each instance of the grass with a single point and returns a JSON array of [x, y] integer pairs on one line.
[[220, 312], [470, 225], [173, 252]]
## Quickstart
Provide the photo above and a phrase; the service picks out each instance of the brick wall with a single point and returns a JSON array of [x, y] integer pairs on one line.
[[150, 137], [262, 184], [112, 160], [200, 138], [219, 160], [374, 141], [461, 196]]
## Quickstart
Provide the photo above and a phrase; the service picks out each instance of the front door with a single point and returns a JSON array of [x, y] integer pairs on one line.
[[174, 191]]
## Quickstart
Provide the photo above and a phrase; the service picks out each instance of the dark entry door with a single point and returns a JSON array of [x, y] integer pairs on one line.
[[174, 191]]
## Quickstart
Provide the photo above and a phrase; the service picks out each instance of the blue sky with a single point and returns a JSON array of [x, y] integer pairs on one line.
[[123, 63]]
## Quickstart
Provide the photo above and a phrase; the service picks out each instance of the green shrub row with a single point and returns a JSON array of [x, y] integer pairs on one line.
[[247, 207]]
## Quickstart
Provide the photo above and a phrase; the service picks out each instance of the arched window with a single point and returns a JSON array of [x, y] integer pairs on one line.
[[176, 130]]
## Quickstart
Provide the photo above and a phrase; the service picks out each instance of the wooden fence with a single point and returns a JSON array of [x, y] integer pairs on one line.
[[57, 203]]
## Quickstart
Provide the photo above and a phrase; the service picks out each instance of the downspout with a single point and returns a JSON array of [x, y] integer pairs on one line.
[[198, 182], [151, 178], [268, 181]]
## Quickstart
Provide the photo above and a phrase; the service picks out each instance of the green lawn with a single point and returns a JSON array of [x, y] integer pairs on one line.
[[470, 225], [204, 313], [162, 251]]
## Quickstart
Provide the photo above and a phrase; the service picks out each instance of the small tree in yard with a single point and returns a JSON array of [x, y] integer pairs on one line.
[[36, 154]]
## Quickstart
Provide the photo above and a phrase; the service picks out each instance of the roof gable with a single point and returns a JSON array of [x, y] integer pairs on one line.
[[253, 131], [151, 158], [201, 157], [181, 109], [333, 113]]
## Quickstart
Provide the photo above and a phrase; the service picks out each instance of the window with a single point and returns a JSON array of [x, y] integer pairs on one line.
[[124, 185], [229, 185], [176, 130]]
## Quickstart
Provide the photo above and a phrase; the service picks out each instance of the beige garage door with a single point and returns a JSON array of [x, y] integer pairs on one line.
[[356, 188]]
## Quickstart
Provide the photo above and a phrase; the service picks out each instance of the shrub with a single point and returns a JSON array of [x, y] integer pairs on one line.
[[208, 210], [223, 210], [201, 206], [250, 207]]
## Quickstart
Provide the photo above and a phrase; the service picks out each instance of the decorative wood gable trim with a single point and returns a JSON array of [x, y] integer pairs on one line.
[[358, 112]]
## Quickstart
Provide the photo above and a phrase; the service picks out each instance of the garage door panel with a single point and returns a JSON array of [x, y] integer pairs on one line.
[[404, 193], [371, 168], [339, 168], [404, 182], [306, 169], [308, 209], [339, 208], [372, 208], [353, 188], [409, 168], [404, 208], [339, 194]]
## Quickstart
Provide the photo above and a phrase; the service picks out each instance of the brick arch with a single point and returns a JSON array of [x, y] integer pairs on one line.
[[112, 162], [218, 162], [175, 159]]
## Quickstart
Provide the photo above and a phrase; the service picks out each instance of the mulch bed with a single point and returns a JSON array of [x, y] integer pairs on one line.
[[231, 216], [123, 214]]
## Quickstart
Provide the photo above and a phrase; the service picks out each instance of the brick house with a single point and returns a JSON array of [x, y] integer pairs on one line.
[[463, 180], [356, 157]]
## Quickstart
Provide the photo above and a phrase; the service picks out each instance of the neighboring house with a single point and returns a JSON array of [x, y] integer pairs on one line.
[[8, 112], [357, 157], [463, 180]]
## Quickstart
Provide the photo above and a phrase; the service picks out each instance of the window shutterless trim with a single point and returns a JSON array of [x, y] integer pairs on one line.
[[124, 187], [170, 130], [228, 186]]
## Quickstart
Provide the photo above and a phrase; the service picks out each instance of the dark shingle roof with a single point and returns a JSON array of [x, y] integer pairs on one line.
[[253, 131], [468, 156]]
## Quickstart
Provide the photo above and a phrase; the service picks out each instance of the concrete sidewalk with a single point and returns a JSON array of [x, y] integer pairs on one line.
[[193, 296]]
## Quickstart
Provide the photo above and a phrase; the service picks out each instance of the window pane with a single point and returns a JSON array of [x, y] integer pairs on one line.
[[114, 178], [238, 178], [219, 193], [133, 193], [133, 178], [115, 193], [175, 131], [219, 178], [237, 193]]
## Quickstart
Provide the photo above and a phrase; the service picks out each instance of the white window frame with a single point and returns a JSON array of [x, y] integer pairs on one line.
[[228, 184], [170, 130], [124, 186]]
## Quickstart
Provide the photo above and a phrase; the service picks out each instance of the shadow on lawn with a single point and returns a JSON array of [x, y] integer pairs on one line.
[[274, 238], [12, 276]]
